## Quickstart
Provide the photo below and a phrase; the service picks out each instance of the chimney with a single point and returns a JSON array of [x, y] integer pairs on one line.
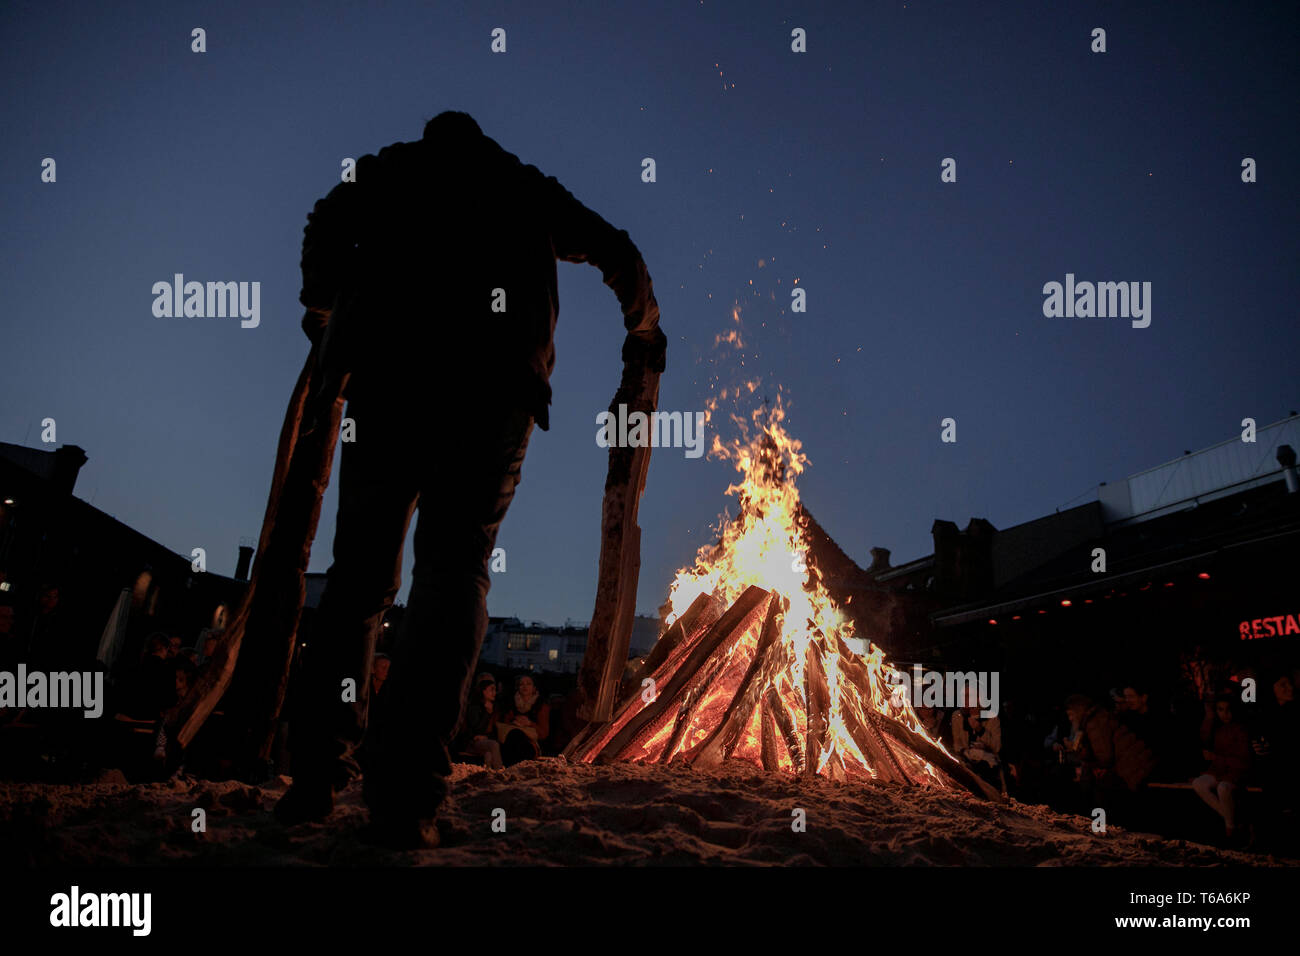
[[963, 560], [1286, 458], [978, 556], [945, 554], [242, 565], [68, 460], [879, 560]]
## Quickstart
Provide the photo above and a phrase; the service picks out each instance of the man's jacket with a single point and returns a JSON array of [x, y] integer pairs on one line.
[[444, 253]]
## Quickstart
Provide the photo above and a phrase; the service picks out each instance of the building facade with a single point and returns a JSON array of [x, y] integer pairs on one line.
[[65, 564]]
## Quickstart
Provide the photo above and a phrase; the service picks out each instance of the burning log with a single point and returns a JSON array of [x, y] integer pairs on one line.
[[785, 723], [927, 750], [584, 740], [695, 694], [767, 728], [675, 643], [817, 698], [872, 745], [838, 770], [722, 636], [678, 639], [853, 669], [769, 658], [879, 738]]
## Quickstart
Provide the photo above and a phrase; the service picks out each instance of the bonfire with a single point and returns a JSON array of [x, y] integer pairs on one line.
[[756, 661]]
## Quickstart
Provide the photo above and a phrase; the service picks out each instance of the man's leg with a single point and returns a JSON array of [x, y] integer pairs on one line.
[[377, 494], [468, 485]]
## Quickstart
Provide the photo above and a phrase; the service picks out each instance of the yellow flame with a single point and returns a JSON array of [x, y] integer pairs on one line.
[[767, 544]]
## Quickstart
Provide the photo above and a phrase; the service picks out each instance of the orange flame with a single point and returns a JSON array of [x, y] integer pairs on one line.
[[767, 544]]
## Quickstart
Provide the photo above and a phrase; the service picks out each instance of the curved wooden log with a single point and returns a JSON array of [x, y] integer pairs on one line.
[[189, 715], [620, 551]]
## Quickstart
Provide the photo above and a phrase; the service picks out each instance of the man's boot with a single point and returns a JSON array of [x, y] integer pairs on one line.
[[396, 833], [306, 801], [403, 809]]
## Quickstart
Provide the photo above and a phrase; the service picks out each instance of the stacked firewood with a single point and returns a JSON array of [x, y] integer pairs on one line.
[[670, 708]]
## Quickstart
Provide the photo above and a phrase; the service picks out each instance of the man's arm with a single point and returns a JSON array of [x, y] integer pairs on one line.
[[581, 235], [328, 243]]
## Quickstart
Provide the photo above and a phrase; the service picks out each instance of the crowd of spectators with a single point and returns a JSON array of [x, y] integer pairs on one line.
[[505, 732], [1211, 752], [1233, 741]]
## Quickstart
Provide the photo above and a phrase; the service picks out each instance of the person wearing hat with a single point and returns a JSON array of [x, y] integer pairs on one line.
[[479, 732]]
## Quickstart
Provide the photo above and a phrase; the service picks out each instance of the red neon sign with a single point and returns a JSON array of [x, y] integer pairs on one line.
[[1282, 625]]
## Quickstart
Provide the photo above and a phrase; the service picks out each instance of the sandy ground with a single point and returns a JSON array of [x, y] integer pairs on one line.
[[556, 813]]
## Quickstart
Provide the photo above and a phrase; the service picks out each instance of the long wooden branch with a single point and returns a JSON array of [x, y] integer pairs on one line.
[[189, 715], [262, 677], [620, 550]]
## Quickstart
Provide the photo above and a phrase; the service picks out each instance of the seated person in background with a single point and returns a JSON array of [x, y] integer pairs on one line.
[[158, 682], [978, 741], [1112, 758], [1227, 747], [1278, 750], [12, 648], [210, 644], [379, 674], [530, 717], [1118, 702], [153, 686], [478, 733], [1148, 725], [182, 677], [933, 723]]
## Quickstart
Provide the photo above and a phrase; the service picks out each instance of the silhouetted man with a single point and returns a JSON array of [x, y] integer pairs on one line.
[[432, 279]]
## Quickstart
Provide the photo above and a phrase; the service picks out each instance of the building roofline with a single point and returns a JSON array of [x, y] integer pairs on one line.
[[970, 612], [1200, 451]]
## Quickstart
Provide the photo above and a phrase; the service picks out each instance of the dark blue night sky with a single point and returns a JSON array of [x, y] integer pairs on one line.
[[924, 298]]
